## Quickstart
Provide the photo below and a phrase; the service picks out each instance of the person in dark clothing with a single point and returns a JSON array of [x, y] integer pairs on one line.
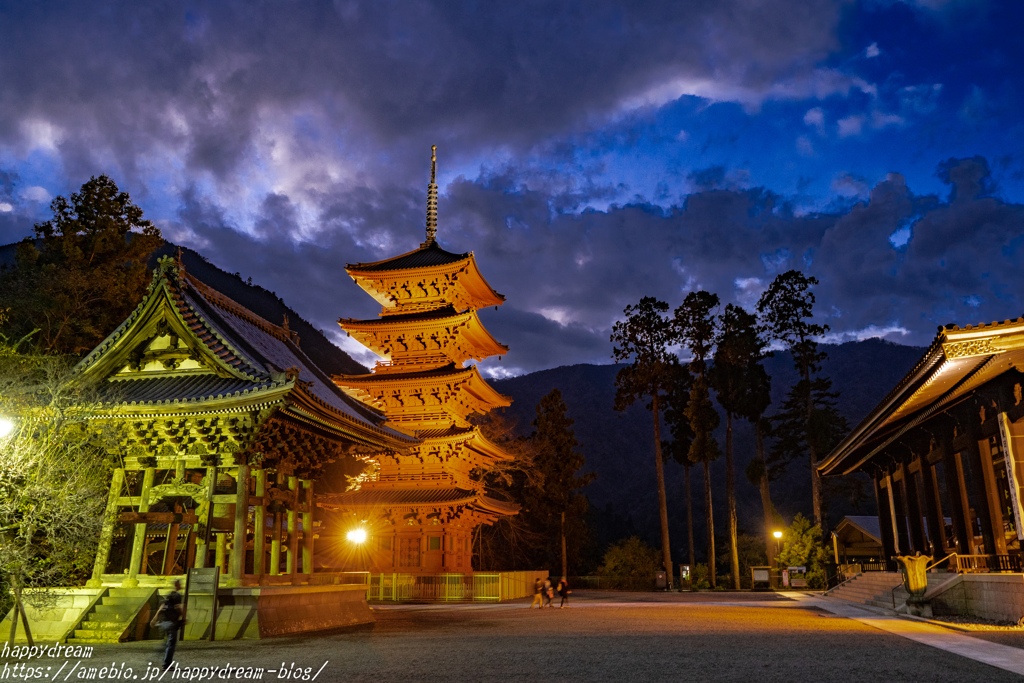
[[170, 622], [537, 599], [563, 590]]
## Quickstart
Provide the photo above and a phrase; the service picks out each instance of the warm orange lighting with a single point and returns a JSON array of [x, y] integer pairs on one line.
[[777, 534], [357, 535]]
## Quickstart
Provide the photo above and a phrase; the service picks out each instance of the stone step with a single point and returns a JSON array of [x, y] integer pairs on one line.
[[104, 635], [137, 593], [93, 625], [127, 601], [87, 641]]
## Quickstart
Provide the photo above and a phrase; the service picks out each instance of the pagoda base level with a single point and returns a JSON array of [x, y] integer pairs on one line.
[[392, 587]]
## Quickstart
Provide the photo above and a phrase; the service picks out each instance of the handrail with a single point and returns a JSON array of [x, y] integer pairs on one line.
[[893, 591], [837, 586], [952, 554]]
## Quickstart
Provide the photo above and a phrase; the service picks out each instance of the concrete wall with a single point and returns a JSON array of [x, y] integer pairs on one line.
[[989, 596], [267, 611], [51, 617]]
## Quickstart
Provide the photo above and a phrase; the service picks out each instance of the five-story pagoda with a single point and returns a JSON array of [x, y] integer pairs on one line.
[[423, 505]]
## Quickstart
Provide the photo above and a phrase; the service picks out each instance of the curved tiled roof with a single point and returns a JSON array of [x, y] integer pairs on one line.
[[424, 257], [371, 497], [182, 389]]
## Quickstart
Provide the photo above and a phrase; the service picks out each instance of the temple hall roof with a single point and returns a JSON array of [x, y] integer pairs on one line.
[[959, 361]]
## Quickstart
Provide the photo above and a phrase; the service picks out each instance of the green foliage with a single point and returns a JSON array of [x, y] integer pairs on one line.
[[553, 490], [699, 576], [54, 473], [802, 547], [630, 558], [739, 379], [84, 271], [642, 337], [751, 550], [696, 324], [677, 398], [704, 420], [786, 308]]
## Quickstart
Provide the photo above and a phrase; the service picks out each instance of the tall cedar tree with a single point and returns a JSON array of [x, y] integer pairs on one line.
[[644, 337], [808, 421], [743, 390], [557, 462], [676, 401], [696, 324], [84, 272]]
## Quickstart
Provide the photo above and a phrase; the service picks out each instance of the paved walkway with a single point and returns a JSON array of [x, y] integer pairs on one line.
[[994, 654]]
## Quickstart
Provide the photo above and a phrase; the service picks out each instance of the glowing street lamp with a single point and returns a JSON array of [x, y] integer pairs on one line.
[[6, 427], [357, 535], [778, 537]]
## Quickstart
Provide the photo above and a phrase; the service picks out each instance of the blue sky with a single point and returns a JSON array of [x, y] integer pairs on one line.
[[590, 153]]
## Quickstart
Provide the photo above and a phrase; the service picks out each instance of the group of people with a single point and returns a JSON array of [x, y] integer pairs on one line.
[[544, 593]]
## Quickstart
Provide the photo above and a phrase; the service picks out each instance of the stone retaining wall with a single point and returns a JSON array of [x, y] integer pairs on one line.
[[989, 596]]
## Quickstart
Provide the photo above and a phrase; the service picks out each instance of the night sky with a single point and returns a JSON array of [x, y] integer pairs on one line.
[[589, 152]]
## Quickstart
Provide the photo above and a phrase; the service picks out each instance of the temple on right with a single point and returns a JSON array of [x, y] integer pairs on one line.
[[422, 505], [945, 449]]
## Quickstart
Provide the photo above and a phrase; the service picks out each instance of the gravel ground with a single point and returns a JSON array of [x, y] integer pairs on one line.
[[641, 638]]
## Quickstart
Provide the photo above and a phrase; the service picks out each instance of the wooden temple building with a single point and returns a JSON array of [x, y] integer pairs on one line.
[[421, 505], [225, 427], [945, 450]]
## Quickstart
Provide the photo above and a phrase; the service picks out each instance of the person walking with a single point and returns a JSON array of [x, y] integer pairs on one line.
[[169, 618], [537, 598], [549, 593], [563, 590]]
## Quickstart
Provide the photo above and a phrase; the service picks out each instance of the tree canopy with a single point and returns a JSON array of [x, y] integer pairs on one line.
[[84, 270]]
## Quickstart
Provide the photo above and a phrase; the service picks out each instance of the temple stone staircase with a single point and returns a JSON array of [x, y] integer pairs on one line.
[[872, 588], [116, 617]]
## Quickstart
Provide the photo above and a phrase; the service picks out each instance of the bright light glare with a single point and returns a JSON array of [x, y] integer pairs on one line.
[[777, 534], [357, 535], [6, 427]]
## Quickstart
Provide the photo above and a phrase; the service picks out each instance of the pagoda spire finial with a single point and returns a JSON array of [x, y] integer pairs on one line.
[[432, 199]]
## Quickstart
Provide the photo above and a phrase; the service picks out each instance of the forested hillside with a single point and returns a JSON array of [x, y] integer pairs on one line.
[[619, 446]]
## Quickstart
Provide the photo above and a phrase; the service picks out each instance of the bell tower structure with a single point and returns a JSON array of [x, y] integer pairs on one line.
[[423, 504]]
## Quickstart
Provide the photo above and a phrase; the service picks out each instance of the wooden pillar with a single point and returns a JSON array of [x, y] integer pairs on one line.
[[203, 542], [893, 521], [237, 566], [959, 510], [933, 509], [170, 546], [221, 555], [307, 529], [913, 510], [139, 540], [293, 527], [275, 546], [259, 541], [884, 520], [992, 502], [107, 534], [980, 493]]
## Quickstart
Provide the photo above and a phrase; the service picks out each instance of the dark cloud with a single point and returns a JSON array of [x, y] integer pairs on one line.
[[124, 83]]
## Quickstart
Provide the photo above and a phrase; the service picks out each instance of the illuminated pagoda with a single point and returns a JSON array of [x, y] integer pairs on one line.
[[424, 503]]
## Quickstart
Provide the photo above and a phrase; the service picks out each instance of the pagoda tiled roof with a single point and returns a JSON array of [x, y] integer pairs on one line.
[[444, 371], [398, 497], [435, 314], [426, 256]]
